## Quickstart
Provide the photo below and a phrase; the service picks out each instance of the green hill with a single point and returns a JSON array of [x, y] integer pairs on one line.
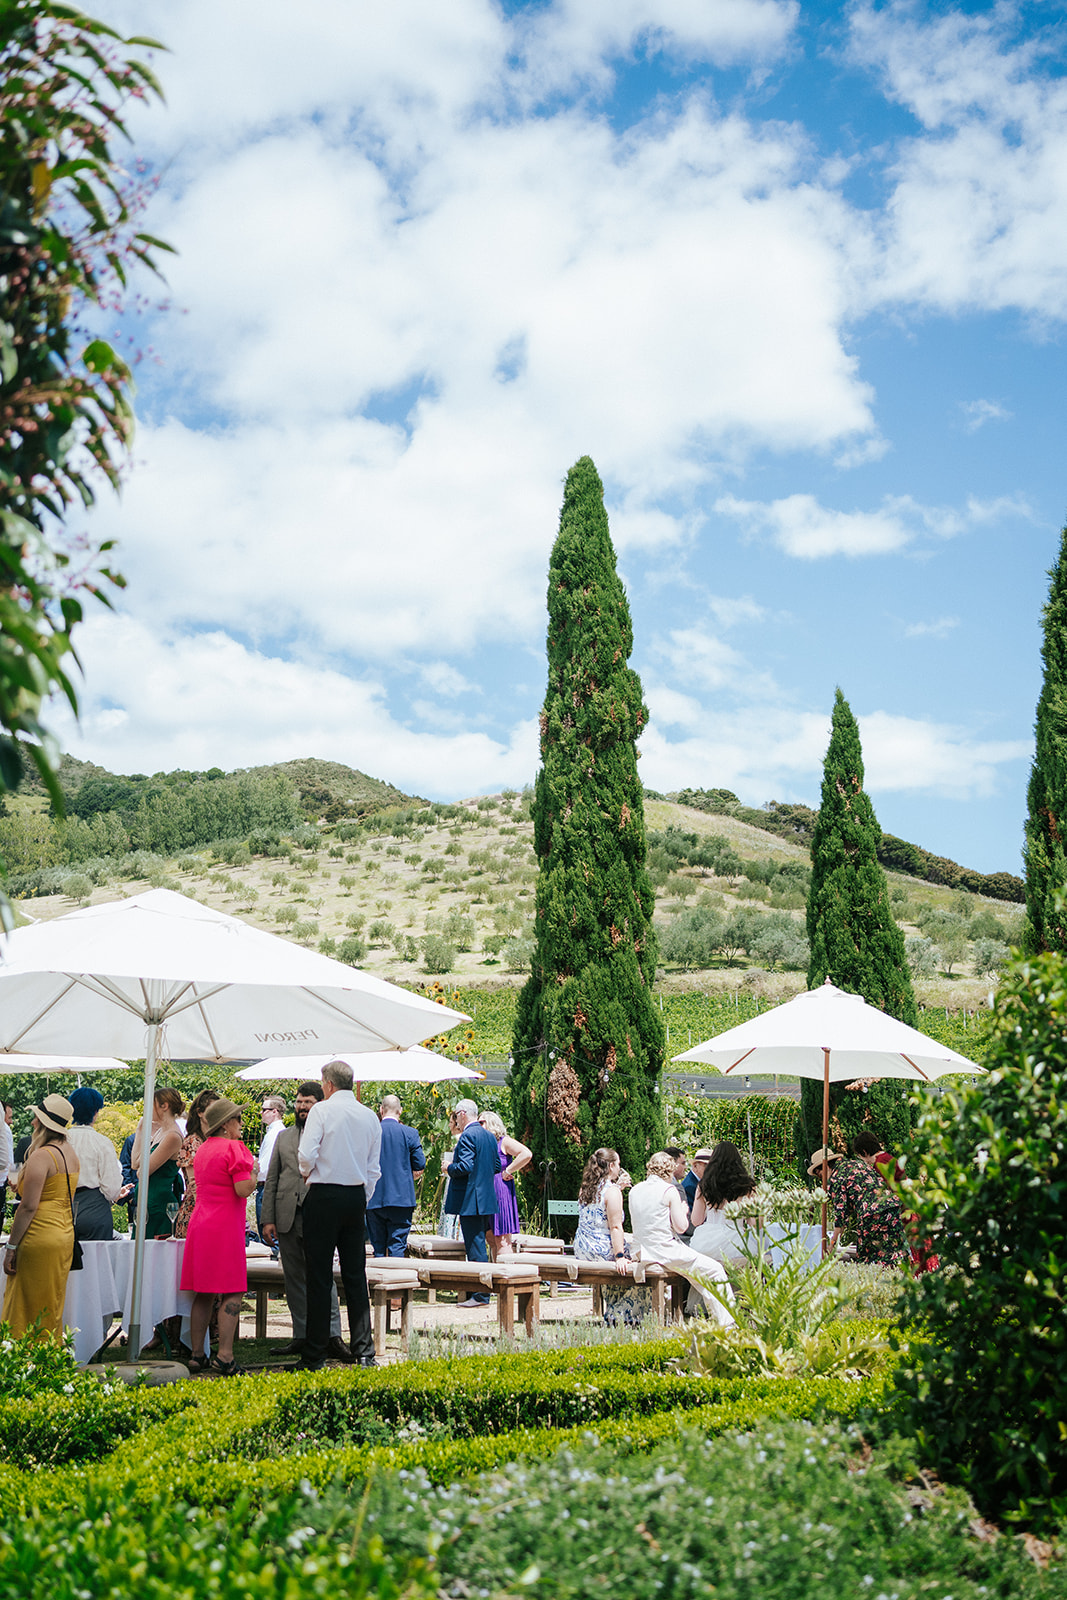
[[412, 889]]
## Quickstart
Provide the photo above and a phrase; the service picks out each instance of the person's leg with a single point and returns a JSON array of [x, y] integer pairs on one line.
[[199, 1317], [399, 1228], [709, 1278], [378, 1230], [352, 1255], [229, 1320], [492, 1244], [291, 1254], [473, 1231], [259, 1210], [320, 1224]]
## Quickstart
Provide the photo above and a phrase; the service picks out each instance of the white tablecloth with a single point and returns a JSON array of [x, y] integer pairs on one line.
[[102, 1290], [811, 1236]]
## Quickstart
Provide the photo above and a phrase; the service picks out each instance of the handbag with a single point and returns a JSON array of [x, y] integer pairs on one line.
[[76, 1255]]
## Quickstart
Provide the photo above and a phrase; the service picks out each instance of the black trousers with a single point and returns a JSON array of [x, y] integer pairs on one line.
[[334, 1218]]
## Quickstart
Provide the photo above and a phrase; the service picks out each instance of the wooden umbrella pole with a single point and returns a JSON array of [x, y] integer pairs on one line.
[[825, 1134]]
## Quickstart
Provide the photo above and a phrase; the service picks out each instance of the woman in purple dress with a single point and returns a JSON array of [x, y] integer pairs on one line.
[[513, 1157]]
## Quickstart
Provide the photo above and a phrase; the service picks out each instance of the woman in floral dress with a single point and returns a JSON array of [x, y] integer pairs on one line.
[[194, 1138], [863, 1204], [600, 1238]]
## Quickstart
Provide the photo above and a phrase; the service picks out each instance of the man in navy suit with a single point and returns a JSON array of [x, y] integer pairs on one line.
[[392, 1205], [471, 1191]]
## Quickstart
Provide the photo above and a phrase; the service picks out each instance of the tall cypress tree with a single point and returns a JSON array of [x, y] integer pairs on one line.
[[855, 941], [588, 1046], [1046, 797]]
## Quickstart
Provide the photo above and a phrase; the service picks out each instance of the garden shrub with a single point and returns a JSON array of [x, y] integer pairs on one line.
[[791, 1511], [986, 1391], [254, 1439]]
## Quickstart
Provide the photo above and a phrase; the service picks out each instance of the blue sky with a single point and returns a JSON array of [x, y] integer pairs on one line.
[[795, 276]]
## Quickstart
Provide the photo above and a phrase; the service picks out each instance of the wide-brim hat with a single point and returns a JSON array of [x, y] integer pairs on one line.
[[819, 1156], [217, 1113], [55, 1113]]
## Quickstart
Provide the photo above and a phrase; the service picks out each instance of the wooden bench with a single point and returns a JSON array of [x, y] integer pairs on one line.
[[596, 1276], [383, 1288], [515, 1283], [437, 1247]]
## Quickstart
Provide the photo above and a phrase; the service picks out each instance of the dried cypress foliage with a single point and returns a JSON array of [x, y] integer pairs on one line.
[[588, 1046]]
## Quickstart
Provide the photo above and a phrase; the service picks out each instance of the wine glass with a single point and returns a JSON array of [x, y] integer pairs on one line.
[[172, 1211]]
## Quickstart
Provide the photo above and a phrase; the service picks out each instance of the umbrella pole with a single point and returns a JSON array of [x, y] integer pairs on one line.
[[825, 1134], [134, 1349]]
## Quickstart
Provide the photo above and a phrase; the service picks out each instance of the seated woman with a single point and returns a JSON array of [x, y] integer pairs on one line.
[[100, 1184], [726, 1178], [600, 1238], [863, 1204], [659, 1215]]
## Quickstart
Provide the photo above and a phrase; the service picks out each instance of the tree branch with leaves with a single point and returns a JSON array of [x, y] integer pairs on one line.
[[69, 237]]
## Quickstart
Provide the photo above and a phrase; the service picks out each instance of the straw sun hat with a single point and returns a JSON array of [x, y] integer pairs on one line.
[[54, 1113], [819, 1157]]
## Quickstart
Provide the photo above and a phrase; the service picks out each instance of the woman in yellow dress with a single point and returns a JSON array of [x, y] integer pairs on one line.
[[41, 1243]]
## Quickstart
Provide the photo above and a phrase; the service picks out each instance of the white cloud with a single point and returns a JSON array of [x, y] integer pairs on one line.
[[443, 679], [901, 753], [676, 294], [978, 412], [939, 629], [802, 527], [777, 753], [155, 702], [700, 659], [731, 612], [977, 213], [575, 41]]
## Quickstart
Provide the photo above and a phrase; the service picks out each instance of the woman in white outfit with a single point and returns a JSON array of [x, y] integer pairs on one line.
[[658, 1215], [725, 1178]]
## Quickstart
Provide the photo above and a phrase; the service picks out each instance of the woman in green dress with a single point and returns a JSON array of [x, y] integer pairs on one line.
[[165, 1140]]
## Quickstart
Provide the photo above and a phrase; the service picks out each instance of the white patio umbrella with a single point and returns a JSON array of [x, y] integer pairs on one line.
[[416, 1065], [828, 1034], [160, 969], [12, 1064]]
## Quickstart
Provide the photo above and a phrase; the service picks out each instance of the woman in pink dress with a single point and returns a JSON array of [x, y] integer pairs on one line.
[[213, 1265]]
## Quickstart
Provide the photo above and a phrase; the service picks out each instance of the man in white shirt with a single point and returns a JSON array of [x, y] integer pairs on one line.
[[339, 1157], [273, 1114]]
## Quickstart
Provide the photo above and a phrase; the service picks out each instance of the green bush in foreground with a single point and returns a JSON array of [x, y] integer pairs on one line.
[[789, 1510], [986, 1394]]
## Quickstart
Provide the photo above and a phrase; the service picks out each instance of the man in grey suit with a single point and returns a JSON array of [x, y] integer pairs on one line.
[[283, 1199]]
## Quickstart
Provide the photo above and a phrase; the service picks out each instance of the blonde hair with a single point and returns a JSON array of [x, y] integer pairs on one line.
[[661, 1165], [493, 1124], [42, 1136]]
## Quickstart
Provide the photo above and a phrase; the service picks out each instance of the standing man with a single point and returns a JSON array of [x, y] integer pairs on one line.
[[339, 1158], [273, 1114], [283, 1206], [471, 1191], [392, 1207]]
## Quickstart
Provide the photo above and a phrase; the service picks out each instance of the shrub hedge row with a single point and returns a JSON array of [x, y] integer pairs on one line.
[[256, 1438]]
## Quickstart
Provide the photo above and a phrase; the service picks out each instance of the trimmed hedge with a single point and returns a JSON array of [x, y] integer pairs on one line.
[[259, 1437]]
